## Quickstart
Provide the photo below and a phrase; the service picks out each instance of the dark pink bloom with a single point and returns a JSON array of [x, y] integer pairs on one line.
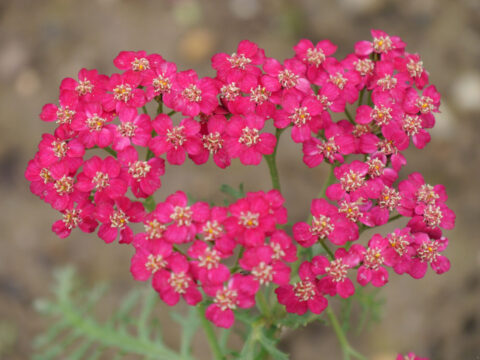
[[345, 81], [90, 86], [353, 178], [53, 149], [160, 80], [283, 247], [191, 95], [64, 113], [400, 253], [362, 65], [382, 44], [387, 82], [263, 267], [238, 293], [148, 260], [143, 176], [81, 216], [207, 267], [306, 116], [245, 140], [337, 144], [175, 140], [287, 79], [412, 65], [176, 283], [327, 223], [413, 125], [214, 143], [424, 105], [60, 192], [104, 177], [136, 61], [184, 220], [251, 220], [335, 280], [133, 129], [314, 56], [388, 201], [124, 92], [115, 217], [303, 295], [371, 269], [241, 66], [92, 125], [428, 252]]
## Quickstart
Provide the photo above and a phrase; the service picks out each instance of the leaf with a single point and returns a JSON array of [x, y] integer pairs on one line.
[[232, 192], [270, 346], [76, 332]]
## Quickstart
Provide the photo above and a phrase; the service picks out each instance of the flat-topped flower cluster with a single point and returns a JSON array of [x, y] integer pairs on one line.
[[357, 115]]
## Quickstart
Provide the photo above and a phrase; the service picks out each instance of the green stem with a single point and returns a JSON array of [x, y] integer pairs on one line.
[[263, 304], [395, 217], [327, 250], [145, 111], [362, 92], [210, 333], [349, 116], [347, 349], [272, 163], [171, 113]]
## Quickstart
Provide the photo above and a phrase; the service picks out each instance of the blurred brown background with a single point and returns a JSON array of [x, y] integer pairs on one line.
[[43, 41]]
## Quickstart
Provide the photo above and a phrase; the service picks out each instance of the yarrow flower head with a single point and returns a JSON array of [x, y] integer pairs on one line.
[[103, 166]]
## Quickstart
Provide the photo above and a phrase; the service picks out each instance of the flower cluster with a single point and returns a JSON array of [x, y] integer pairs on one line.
[[224, 255]]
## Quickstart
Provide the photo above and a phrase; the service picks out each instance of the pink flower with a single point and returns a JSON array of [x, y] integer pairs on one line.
[[371, 269], [283, 247], [428, 252], [241, 66], [90, 86], [124, 92], [184, 220], [133, 129], [263, 267], [382, 44], [92, 126], [191, 95], [400, 252], [306, 116], [288, 79], [160, 80], [148, 260], [64, 113], [335, 280], [81, 216], [353, 180], [245, 140], [424, 105], [53, 149], [314, 56], [238, 293], [207, 266], [387, 82], [115, 217], [413, 67], [213, 141], [143, 176], [327, 223], [345, 81], [337, 143], [175, 140], [251, 220], [303, 295], [176, 283], [104, 177], [136, 61]]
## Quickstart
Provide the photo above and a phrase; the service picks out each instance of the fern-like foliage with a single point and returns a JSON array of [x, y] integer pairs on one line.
[[77, 334]]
